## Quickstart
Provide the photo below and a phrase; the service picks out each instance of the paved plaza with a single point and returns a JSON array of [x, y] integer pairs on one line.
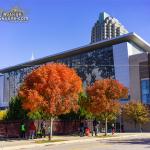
[[126, 141], [132, 143]]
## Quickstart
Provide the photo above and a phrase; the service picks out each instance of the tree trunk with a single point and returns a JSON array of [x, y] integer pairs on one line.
[[38, 125], [135, 126], [120, 123], [140, 127], [51, 129], [105, 126]]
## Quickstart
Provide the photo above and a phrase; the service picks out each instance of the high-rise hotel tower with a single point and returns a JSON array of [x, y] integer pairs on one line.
[[106, 27]]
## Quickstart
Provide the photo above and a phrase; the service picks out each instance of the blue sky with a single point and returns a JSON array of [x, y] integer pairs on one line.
[[58, 25]]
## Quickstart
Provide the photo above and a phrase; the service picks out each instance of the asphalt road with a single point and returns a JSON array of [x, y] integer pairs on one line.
[[132, 143]]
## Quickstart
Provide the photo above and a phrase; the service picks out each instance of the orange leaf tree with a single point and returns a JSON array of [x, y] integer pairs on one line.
[[103, 98], [52, 88]]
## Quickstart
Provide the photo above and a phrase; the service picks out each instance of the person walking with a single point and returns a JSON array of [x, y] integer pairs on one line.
[[43, 128], [23, 130], [86, 128], [32, 129], [122, 129], [95, 127], [81, 129], [85, 125], [113, 129]]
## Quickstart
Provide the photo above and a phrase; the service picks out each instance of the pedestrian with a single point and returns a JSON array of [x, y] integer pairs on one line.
[[23, 130], [85, 125], [81, 128], [43, 128], [32, 129], [87, 131], [122, 128], [113, 128], [95, 127]]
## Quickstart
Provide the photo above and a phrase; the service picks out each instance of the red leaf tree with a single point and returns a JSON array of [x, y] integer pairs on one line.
[[103, 98], [52, 88]]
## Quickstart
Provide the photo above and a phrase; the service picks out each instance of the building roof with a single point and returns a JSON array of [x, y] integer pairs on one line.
[[130, 37]]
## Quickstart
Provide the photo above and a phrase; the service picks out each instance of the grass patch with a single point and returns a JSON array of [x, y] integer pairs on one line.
[[48, 141]]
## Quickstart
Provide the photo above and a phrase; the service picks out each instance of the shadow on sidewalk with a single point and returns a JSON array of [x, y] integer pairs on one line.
[[143, 141]]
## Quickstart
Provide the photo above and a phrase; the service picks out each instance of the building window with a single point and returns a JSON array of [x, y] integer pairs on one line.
[[145, 90]]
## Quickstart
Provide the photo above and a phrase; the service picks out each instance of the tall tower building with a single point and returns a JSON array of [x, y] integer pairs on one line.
[[106, 27]]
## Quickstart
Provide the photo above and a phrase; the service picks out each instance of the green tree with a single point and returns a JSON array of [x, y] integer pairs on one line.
[[82, 113], [111, 117], [137, 112], [15, 111]]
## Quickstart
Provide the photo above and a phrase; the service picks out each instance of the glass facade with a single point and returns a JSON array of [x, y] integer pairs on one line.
[[90, 66], [145, 90]]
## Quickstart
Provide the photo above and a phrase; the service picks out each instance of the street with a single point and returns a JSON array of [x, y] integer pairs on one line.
[[132, 143]]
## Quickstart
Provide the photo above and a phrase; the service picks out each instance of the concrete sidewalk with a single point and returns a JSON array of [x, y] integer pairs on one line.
[[15, 144]]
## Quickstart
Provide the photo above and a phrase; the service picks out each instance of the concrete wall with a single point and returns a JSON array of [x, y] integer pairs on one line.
[[130, 127], [135, 87], [126, 61]]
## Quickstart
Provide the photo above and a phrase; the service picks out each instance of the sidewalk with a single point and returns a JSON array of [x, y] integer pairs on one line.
[[15, 144]]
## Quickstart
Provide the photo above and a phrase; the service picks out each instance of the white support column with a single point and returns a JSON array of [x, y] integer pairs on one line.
[[121, 63], [1, 90]]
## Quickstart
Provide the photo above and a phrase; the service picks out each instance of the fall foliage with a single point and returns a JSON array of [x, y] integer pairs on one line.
[[103, 98], [137, 112], [52, 88], [3, 114]]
